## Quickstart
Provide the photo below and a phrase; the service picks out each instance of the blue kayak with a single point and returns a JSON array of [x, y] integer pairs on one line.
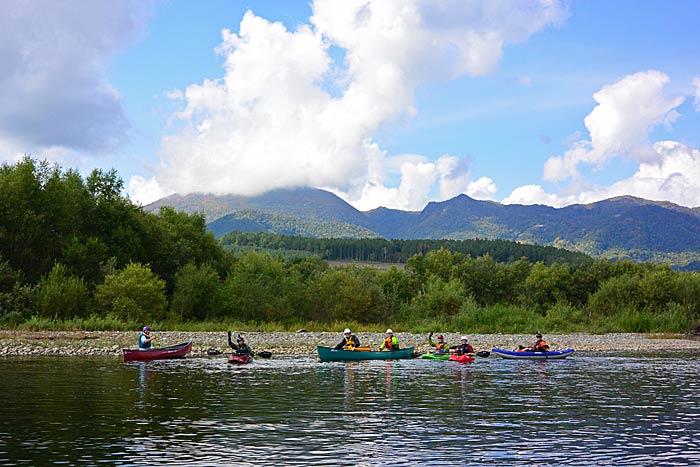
[[528, 355]]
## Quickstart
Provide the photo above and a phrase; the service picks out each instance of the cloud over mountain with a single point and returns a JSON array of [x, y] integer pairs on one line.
[[301, 108]]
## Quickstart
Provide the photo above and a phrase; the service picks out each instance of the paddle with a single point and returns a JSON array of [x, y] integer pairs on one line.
[[263, 354]]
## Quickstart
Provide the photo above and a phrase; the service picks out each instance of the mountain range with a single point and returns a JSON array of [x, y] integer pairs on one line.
[[618, 228]]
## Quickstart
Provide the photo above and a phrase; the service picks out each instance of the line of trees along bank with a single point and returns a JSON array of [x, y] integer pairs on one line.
[[73, 248], [399, 251]]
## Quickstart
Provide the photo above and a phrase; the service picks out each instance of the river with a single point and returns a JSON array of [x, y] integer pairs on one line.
[[590, 409]]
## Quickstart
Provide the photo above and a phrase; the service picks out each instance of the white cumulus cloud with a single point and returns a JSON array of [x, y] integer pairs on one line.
[[619, 125], [287, 114], [53, 87], [673, 176]]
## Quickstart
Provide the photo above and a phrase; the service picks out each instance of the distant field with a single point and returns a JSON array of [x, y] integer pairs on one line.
[[382, 266]]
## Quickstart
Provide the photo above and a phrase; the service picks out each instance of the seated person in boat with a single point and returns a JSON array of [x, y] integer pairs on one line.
[[349, 342], [441, 346], [240, 346], [390, 342], [539, 346], [145, 338], [464, 348]]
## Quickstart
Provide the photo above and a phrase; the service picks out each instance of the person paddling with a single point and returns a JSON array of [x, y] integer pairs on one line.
[[464, 348], [540, 345], [145, 338], [349, 342], [240, 346], [441, 346], [390, 342]]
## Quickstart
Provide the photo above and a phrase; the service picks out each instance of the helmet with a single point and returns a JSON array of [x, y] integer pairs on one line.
[[239, 339], [389, 331], [440, 336], [146, 329], [347, 331], [464, 338], [538, 335]]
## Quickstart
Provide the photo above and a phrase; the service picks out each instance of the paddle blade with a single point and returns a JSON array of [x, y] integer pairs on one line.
[[264, 354], [483, 353], [214, 352]]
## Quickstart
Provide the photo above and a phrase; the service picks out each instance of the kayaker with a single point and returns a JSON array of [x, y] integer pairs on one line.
[[390, 342], [464, 348], [441, 346], [145, 338], [349, 342], [540, 345], [240, 346]]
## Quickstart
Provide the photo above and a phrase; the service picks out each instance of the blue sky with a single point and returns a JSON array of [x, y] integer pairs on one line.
[[385, 103]]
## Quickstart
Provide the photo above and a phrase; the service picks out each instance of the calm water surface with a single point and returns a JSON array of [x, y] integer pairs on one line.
[[587, 410]]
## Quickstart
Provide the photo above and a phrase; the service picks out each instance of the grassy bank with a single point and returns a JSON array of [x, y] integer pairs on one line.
[[488, 320]]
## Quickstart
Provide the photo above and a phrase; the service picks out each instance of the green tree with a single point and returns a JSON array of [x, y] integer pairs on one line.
[[254, 289], [196, 294], [133, 294], [439, 299], [347, 294], [547, 286], [61, 295]]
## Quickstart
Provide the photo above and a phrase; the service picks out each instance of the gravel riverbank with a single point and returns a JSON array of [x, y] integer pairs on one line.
[[15, 343]]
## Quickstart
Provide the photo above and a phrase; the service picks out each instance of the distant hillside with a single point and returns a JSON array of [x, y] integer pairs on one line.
[[623, 227], [255, 221]]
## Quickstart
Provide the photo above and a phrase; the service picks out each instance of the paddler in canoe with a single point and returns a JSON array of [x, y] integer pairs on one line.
[[240, 346], [390, 342], [146, 338], [349, 342], [539, 346], [441, 346]]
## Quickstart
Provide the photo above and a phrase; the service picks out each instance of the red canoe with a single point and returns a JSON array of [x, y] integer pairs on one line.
[[161, 353], [239, 358]]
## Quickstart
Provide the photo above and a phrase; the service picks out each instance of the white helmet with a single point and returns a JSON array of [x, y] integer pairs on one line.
[[347, 331], [389, 331], [464, 338]]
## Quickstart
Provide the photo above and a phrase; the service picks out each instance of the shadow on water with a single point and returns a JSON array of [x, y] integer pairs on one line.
[[590, 409]]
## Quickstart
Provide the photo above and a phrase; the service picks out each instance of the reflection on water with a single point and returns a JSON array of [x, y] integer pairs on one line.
[[586, 410]]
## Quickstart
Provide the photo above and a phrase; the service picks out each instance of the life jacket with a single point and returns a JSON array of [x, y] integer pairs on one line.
[[540, 346], [441, 346], [349, 343], [465, 349], [390, 343], [142, 341]]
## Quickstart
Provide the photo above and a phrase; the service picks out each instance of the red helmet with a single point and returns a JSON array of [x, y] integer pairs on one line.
[[440, 336]]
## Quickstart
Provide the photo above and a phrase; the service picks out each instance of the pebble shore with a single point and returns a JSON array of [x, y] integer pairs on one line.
[[82, 343]]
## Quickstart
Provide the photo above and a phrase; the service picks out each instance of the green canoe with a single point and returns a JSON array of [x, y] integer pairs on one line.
[[327, 354]]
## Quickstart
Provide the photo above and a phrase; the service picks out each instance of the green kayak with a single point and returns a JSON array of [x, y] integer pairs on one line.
[[327, 354], [432, 356]]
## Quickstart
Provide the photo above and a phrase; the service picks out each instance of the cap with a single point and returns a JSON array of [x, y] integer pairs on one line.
[[347, 331], [389, 331], [146, 328], [464, 338]]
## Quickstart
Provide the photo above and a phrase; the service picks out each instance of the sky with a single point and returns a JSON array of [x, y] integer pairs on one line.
[[392, 103]]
